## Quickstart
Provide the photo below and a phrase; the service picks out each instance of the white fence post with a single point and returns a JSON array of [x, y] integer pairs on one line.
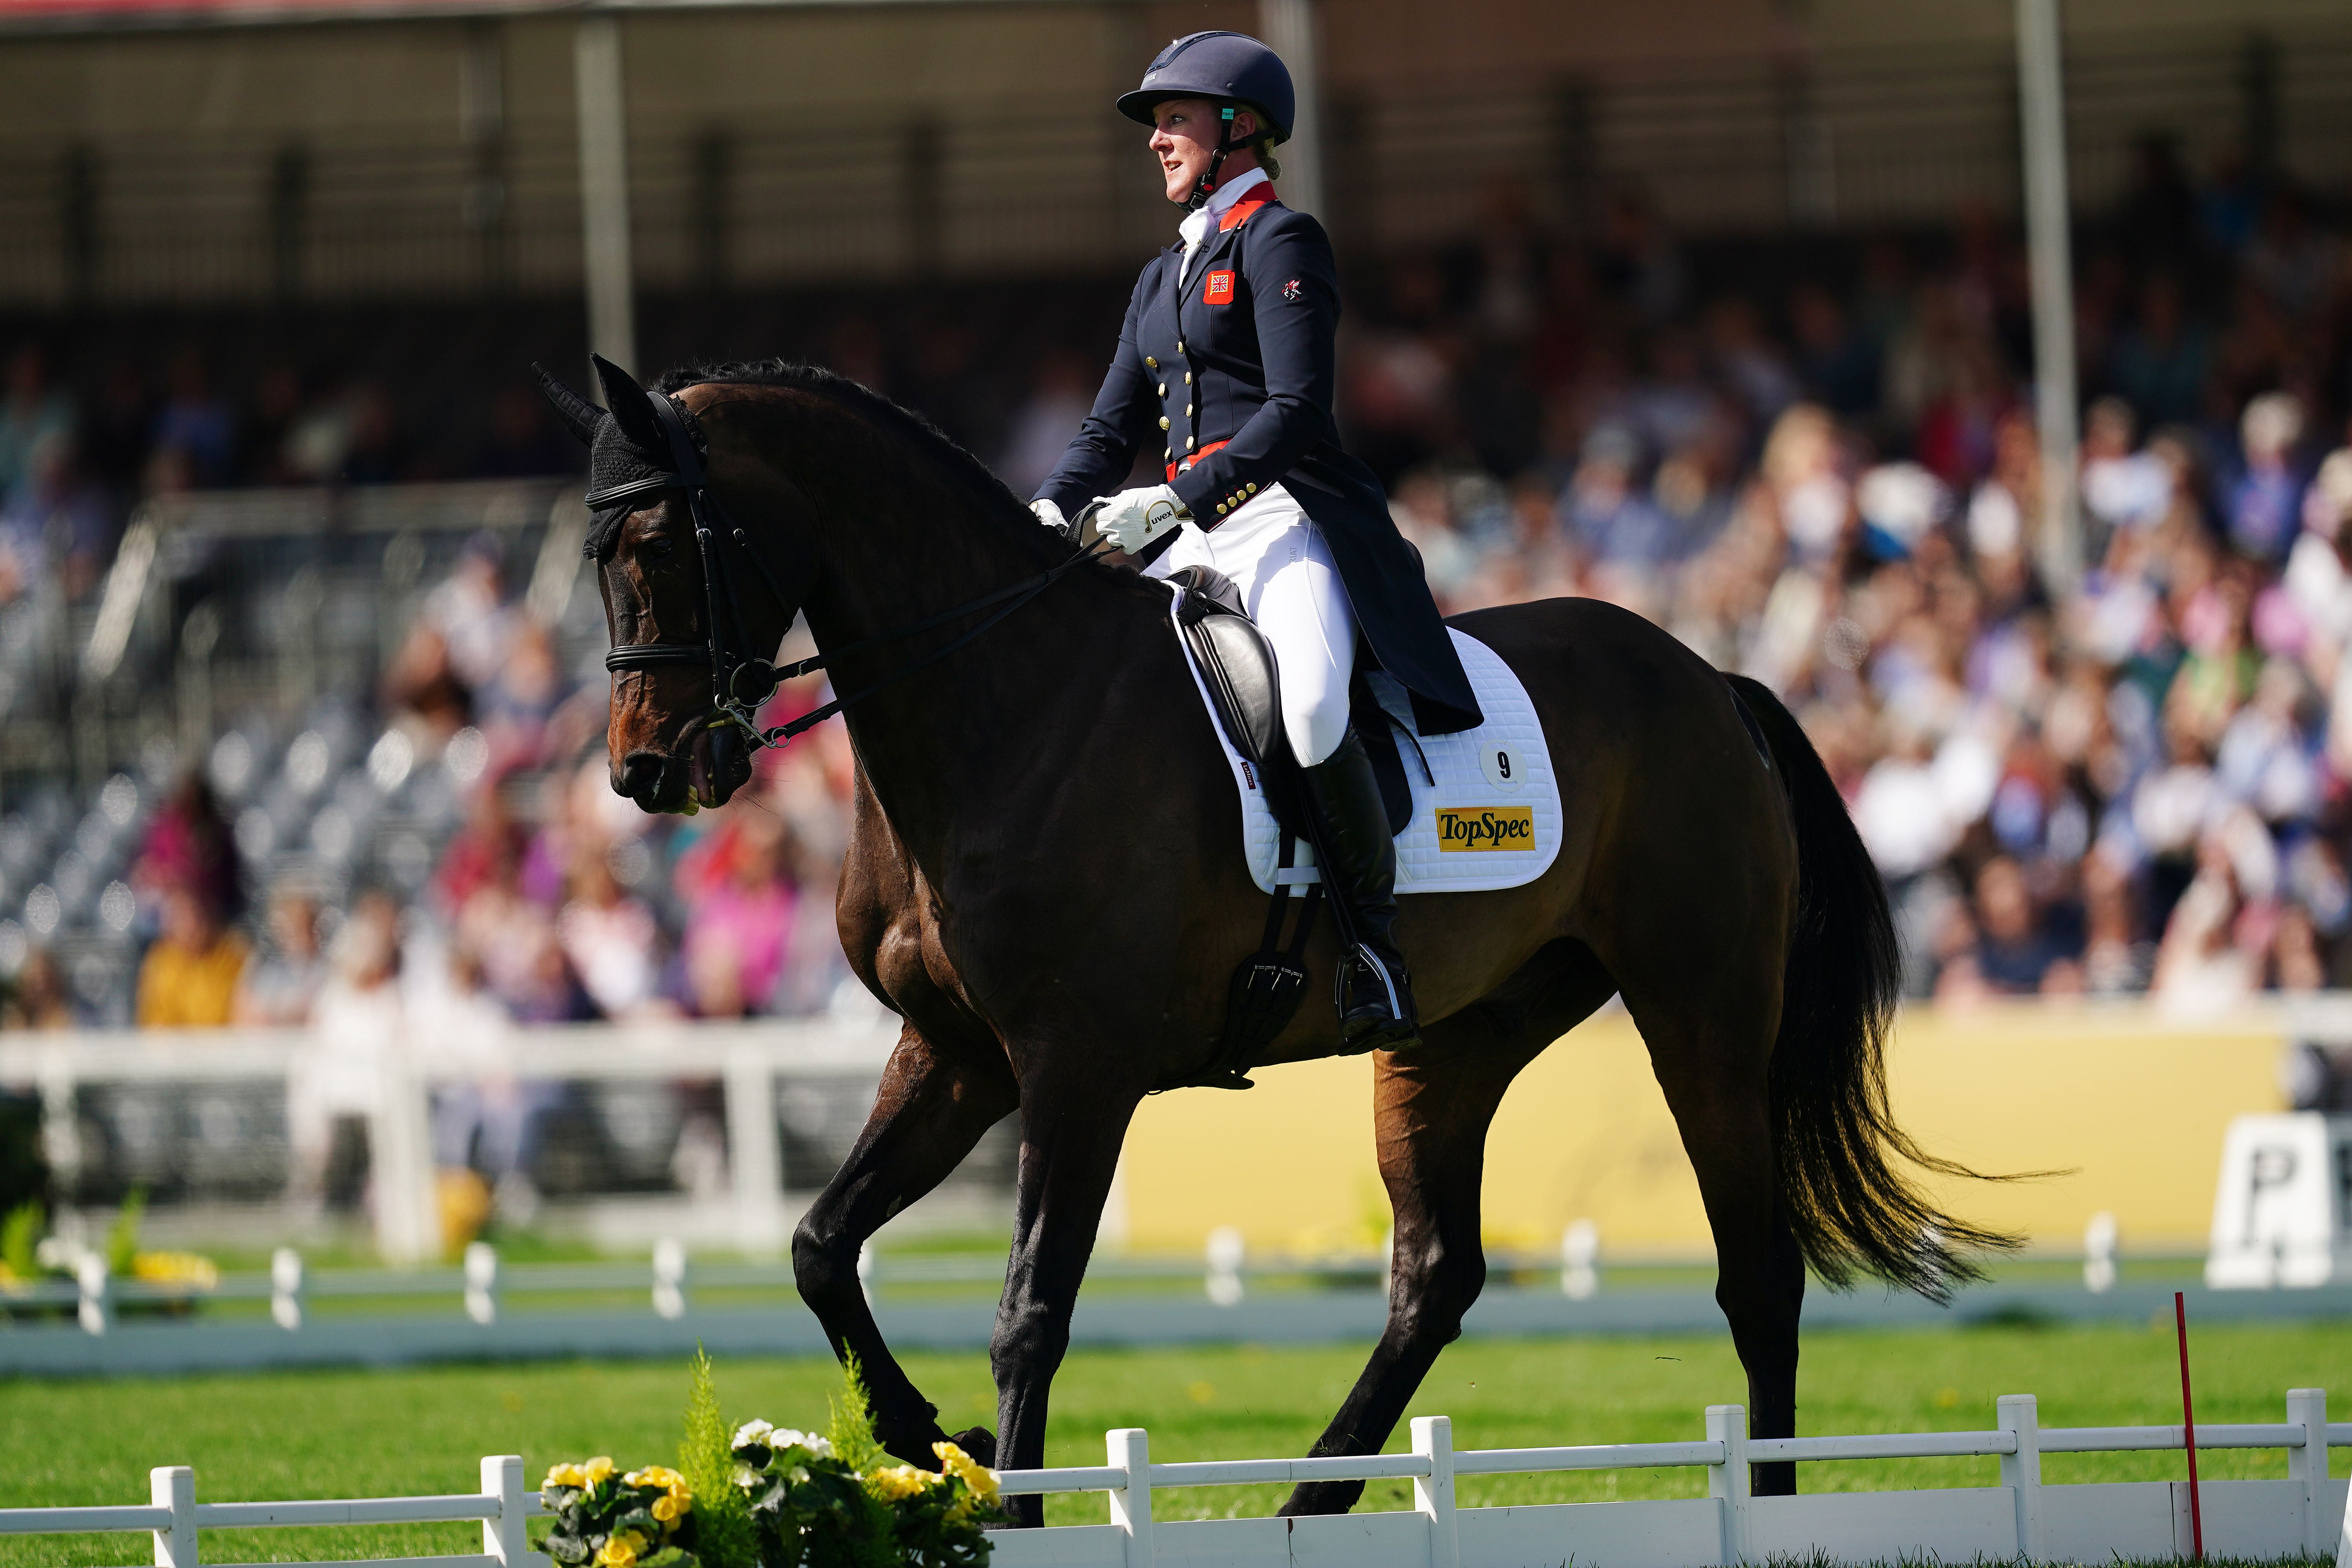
[[505, 1538], [755, 1152], [1227, 1249], [2099, 1239], [1728, 1482], [400, 1150], [1432, 1499], [2344, 1535], [1580, 1261], [175, 1487], [1129, 1449], [669, 1277], [90, 1273], [482, 1282], [286, 1289], [2307, 1408], [2021, 1472]]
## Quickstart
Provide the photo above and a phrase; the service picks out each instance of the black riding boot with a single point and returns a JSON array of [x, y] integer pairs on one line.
[[1351, 824]]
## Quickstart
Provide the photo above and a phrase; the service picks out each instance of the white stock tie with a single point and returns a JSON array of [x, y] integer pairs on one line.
[[1194, 231]]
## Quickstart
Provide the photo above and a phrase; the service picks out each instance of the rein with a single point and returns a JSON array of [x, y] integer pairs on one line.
[[739, 681]]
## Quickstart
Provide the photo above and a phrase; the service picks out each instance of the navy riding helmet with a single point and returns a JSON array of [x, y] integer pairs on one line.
[[1223, 65]]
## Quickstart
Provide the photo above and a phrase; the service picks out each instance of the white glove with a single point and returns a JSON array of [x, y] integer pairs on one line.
[[1133, 518], [1049, 514]]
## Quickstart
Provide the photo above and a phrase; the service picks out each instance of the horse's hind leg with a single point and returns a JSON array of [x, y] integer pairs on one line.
[[1432, 1107], [927, 1117], [1711, 1051]]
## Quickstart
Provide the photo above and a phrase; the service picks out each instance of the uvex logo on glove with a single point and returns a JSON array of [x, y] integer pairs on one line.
[[1492, 828], [1220, 289]]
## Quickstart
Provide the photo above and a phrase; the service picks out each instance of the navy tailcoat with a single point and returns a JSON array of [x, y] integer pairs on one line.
[[1231, 376]]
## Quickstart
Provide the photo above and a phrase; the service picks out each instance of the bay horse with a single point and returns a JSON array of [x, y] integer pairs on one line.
[[1045, 882]]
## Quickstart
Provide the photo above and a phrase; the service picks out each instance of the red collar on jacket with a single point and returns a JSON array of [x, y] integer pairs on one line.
[[1248, 202]]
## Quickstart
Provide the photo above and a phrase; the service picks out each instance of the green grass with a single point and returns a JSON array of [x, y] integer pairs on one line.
[[355, 1434]]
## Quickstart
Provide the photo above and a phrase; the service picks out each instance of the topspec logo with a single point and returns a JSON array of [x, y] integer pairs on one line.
[[1486, 828]]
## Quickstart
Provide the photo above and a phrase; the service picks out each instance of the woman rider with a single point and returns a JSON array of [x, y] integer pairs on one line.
[[1226, 356]]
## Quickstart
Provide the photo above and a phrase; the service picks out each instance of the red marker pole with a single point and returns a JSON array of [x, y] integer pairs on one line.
[[2189, 1428]]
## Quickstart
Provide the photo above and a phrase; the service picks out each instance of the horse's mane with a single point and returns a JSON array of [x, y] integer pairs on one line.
[[992, 491]]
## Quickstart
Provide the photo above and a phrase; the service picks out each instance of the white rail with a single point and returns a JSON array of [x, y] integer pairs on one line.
[[178, 1521], [749, 1060], [2303, 1516]]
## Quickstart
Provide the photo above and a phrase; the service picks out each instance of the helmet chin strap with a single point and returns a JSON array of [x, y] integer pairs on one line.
[[1208, 178]]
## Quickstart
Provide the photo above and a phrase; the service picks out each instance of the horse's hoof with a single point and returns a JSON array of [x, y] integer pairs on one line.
[[978, 1442]]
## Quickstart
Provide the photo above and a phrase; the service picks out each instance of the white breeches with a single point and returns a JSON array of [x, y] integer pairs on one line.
[[1277, 557]]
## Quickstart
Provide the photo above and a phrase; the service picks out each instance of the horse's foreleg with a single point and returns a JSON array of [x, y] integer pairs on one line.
[[927, 1116], [1069, 1152]]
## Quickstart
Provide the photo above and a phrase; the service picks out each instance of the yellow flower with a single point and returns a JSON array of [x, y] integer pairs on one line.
[[671, 1509], [598, 1471], [566, 1476], [654, 1476], [900, 1480], [620, 1549], [976, 1477], [184, 1269]]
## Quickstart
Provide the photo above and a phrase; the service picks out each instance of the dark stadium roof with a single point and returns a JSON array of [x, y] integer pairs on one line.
[[56, 17]]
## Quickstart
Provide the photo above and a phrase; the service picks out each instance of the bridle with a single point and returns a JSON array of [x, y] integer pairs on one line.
[[740, 679]]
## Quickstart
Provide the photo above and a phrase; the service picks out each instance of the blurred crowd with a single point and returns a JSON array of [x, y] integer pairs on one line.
[[2130, 777], [2135, 780], [553, 900], [546, 900]]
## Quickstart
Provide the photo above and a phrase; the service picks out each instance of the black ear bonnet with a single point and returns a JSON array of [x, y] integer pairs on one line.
[[632, 457]]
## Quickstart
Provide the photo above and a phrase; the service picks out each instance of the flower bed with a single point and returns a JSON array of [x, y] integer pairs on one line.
[[773, 1497]]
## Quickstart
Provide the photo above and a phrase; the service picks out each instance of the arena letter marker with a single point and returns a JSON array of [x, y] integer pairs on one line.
[[2188, 1428]]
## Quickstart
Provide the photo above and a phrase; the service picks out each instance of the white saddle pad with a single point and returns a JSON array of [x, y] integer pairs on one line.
[[1491, 820]]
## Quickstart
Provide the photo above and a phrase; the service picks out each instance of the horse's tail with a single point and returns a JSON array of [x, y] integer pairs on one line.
[[1835, 1139]]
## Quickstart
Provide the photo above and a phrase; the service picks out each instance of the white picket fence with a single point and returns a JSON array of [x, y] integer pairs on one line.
[[177, 1520], [2302, 1516], [2305, 1516]]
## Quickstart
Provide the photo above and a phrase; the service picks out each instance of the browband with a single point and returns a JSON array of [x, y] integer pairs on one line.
[[652, 484], [637, 655]]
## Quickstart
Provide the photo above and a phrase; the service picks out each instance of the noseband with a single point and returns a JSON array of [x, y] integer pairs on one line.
[[741, 680]]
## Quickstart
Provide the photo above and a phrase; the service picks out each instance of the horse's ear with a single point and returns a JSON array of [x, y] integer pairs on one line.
[[625, 401], [580, 416]]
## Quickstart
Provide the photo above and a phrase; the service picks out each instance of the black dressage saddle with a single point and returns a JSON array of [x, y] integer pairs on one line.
[[1237, 666]]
